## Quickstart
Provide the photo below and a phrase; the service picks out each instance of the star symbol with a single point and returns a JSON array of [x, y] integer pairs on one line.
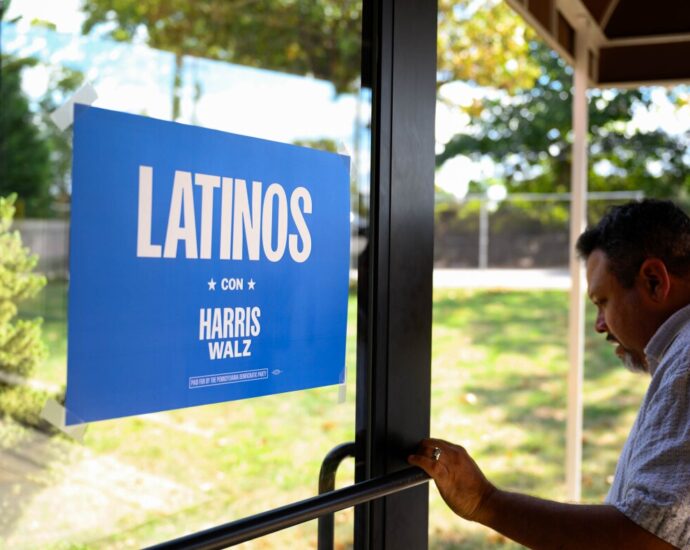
[[212, 284], [251, 284]]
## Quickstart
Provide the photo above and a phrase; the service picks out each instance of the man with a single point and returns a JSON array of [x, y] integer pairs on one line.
[[638, 274]]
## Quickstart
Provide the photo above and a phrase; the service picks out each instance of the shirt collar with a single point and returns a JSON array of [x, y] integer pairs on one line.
[[665, 334]]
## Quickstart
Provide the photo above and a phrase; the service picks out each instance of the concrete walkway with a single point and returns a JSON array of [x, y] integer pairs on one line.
[[499, 279], [503, 279]]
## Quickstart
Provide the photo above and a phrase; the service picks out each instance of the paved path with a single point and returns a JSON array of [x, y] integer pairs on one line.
[[503, 279], [499, 279]]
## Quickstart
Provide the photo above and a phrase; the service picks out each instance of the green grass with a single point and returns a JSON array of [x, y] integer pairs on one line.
[[499, 386]]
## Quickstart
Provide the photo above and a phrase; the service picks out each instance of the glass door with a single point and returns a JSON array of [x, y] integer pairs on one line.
[[281, 71]]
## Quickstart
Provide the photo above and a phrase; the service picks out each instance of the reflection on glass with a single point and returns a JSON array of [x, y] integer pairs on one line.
[[287, 73]]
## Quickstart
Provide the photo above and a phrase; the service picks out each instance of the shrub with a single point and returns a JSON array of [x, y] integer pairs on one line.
[[21, 347]]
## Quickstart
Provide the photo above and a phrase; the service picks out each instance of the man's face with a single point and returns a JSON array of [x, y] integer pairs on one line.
[[620, 312]]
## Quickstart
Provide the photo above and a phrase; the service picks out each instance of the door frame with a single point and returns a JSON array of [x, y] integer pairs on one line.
[[396, 275]]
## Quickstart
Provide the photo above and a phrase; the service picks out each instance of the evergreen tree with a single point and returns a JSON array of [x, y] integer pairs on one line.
[[24, 155], [21, 347]]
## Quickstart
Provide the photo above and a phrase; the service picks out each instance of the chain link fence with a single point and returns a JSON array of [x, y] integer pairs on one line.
[[527, 230]]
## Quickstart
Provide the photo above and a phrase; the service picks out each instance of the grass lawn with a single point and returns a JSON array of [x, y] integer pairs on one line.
[[499, 386]]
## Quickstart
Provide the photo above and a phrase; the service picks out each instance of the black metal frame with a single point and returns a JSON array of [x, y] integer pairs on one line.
[[329, 469], [395, 278], [236, 532]]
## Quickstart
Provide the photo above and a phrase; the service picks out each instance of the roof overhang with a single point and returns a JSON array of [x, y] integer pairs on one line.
[[630, 42]]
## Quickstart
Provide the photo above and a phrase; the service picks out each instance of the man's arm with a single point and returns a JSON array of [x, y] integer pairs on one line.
[[538, 523], [533, 522]]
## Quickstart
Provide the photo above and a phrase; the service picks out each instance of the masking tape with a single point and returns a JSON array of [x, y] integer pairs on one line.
[[63, 116], [343, 149], [55, 413]]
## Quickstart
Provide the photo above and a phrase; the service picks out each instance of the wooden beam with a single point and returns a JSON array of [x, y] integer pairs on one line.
[[578, 220], [648, 40], [565, 34], [547, 33], [644, 18], [613, 4], [542, 10], [630, 65]]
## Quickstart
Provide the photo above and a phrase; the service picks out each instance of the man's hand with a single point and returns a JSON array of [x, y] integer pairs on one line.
[[459, 480]]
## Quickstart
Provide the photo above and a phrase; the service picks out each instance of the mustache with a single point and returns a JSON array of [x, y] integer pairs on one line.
[[611, 338]]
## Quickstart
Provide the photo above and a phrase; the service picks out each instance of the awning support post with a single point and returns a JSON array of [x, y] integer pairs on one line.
[[578, 220]]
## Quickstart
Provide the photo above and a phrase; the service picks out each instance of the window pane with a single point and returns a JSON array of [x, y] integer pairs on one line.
[[287, 72]]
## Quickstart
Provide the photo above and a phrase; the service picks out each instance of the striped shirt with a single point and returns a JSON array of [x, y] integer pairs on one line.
[[652, 482]]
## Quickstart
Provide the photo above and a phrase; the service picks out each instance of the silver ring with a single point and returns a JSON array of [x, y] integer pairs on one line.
[[436, 453]]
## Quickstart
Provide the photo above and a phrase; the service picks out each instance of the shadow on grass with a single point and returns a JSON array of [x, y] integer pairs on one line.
[[522, 322], [26, 456]]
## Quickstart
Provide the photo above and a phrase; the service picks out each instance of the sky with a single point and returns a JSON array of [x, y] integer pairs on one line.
[[64, 13]]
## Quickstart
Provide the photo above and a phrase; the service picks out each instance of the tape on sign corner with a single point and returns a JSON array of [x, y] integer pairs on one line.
[[342, 393], [55, 414], [63, 116], [343, 148]]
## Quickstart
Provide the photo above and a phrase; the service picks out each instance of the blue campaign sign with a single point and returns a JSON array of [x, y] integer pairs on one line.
[[204, 267]]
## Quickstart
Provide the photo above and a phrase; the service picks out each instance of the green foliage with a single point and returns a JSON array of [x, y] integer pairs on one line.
[[483, 42], [4, 6], [24, 405], [319, 37], [24, 155], [315, 37], [486, 43], [518, 131], [530, 136], [323, 144], [21, 347], [35, 155]]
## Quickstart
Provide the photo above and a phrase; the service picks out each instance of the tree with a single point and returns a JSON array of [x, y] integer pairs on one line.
[[324, 144], [484, 42], [529, 135], [20, 343], [317, 37], [24, 155], [21, 347], [35, 156]]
